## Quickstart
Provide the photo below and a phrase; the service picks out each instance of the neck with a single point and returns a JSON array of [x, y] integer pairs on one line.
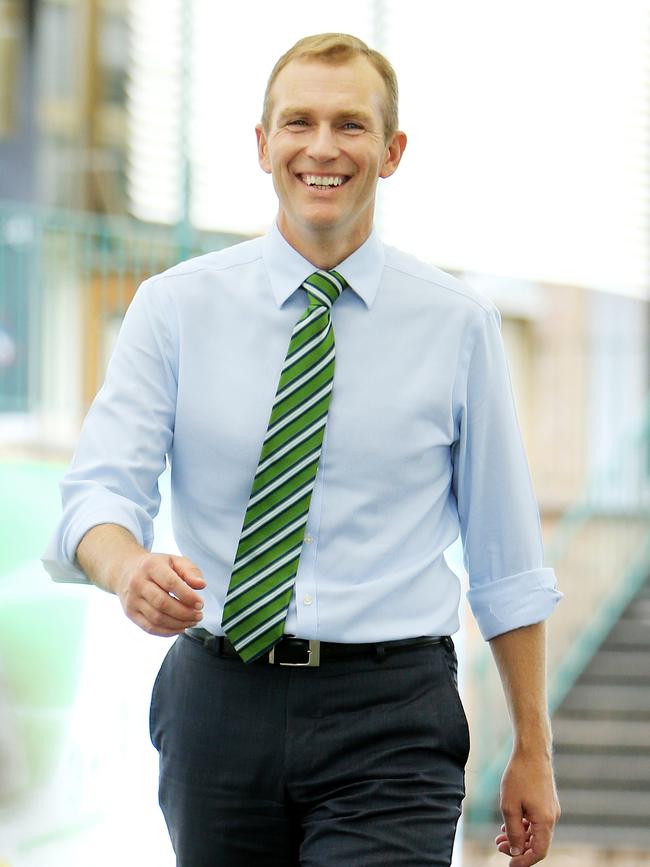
[[324, 250]]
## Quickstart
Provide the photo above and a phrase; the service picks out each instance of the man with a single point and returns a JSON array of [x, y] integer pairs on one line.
[[308, 713]]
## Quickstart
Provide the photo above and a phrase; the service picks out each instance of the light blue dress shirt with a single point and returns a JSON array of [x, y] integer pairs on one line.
[[422, 441]]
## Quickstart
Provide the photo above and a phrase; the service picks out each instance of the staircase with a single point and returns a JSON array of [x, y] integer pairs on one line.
[[602, 738]]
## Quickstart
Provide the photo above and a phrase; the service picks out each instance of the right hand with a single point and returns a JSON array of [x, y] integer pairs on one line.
[[157, 592]]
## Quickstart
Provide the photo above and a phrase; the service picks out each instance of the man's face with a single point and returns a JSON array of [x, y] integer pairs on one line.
[[325, 149]]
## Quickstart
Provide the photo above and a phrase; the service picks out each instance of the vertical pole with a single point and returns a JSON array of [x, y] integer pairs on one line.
[[379, 44], [184, 232], [90, 101]]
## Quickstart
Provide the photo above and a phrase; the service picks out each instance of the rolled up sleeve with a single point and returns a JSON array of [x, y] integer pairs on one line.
[[124, 440], [509, 586]]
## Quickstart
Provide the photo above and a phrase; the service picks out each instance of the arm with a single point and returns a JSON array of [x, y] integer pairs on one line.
[[156, 590], [110, 493], [123, 443], [529, 800], [511, 592]]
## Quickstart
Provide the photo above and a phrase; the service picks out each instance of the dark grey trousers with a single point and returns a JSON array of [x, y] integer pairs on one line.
[[359, 762]]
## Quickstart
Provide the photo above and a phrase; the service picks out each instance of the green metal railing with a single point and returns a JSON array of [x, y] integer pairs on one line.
[[600, 550], [64, 272]]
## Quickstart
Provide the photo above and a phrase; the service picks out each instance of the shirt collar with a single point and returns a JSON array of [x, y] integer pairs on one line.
[[288, 269]]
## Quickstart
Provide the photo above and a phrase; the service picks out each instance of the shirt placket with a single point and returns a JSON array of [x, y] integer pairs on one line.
[[306, 590]]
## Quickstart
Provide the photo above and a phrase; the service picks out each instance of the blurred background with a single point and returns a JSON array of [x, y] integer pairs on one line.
[[127, 144]]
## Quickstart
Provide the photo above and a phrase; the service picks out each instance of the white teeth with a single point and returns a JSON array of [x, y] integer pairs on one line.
[[329, 181]]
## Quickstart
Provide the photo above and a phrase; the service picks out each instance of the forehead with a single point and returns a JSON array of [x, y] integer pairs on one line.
[[317, 85]]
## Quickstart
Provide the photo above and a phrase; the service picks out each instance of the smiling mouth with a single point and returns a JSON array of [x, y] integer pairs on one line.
[[324, 182]]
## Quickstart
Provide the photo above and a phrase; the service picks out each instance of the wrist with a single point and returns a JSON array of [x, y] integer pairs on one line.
[[104, 553], [120, 564], [534, 741]]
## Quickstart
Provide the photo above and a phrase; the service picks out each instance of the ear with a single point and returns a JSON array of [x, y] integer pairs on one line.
[[394, 150], [262, 149]]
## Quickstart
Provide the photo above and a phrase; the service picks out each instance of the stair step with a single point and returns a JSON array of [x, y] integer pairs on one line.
[[606, 698], [602, 738], [629, 632], [626, 735], [631, 666], [602, 770], [624, 808], [639, 608], [632, 844]]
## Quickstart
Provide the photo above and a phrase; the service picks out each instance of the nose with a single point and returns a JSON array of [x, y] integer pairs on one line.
[[322, 144]]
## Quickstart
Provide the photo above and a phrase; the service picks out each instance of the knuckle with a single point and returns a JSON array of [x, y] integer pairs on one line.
[[185, 563], [157, 618], [164, 606], [148, 562], [166, 581], [128, 604]]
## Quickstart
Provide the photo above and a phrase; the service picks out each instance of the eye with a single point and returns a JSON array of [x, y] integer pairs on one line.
[[352, 125], [297, 122]]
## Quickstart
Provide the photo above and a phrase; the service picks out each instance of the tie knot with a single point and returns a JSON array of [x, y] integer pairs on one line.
[[324, 287]]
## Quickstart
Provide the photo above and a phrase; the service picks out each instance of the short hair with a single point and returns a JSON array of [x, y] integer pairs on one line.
[[337, 48]]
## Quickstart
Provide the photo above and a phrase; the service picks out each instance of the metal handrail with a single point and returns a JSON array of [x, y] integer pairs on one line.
[[66, 277]]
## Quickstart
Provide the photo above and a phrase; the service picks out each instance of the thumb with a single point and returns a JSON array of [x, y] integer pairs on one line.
[[514, 822], [188, 571]]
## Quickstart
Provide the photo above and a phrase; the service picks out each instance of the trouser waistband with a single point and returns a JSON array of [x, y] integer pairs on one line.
[[290, 650]]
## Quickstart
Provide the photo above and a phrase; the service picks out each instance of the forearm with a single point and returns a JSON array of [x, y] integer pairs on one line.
[[520, 656], [102, 551]]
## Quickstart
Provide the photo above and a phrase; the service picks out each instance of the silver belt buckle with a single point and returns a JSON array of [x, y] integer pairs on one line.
[[313, 656]]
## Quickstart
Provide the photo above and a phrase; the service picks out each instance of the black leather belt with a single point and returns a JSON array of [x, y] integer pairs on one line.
[[309, 652]]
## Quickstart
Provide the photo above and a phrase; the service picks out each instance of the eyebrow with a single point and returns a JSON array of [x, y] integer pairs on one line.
[[348, 114]]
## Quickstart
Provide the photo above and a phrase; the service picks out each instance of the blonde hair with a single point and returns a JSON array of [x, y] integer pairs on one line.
[[338, 48]]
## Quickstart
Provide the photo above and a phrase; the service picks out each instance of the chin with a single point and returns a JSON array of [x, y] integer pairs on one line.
[[321, 220]]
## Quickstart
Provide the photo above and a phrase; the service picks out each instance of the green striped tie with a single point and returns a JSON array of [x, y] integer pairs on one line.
[[266, 562]]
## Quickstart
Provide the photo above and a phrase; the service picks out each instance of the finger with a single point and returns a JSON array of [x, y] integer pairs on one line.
[[140, 620], [542, 834], [535, 852], [157, 620], [526, 860], [524, 820], [504, 848], [502, 840], [189, 572], [514, 825], [503, 836], [169, 580], [503, 844], [162, 601]]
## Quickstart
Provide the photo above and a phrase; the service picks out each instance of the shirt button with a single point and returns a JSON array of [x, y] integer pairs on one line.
[[309, 538], [307, 600]]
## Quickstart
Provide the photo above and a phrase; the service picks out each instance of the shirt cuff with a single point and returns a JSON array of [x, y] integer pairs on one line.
[[518, 600], [60, 560]]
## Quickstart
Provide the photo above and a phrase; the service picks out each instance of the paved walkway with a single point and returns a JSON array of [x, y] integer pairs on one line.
[[560, 856]]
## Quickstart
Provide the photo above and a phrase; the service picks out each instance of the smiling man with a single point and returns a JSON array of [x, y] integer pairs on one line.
[[335, 412], [326, 138]]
